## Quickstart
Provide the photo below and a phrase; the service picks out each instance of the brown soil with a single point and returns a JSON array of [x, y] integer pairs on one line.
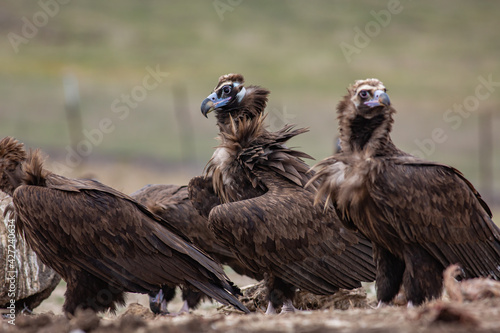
[[348, 311]]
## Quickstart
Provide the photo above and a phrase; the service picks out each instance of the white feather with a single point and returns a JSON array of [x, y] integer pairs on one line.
[[241, 94]]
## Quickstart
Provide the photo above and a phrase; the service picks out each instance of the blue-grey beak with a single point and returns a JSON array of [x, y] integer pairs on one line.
[[380, 98], [207, 106], [156, 301], [212, 102]]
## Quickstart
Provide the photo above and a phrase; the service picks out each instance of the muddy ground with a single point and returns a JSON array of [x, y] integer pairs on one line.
[[352, 311]]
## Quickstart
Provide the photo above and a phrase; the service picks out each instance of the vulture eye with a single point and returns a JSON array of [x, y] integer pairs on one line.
[[364, 94], [226, 89]]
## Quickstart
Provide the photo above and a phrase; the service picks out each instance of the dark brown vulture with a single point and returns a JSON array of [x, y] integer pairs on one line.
[[266, 217], [101, 241], [171, 202], [421, 216]]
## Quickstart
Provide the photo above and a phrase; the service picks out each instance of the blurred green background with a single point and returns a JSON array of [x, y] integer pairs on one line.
[[429, 54]]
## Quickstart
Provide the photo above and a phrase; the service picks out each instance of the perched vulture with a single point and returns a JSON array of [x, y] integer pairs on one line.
[[171, 202], [421, 216], [266, 217], [101, 241]]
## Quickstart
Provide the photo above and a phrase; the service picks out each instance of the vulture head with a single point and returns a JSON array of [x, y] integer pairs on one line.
[[368, 97], [231, 99], [12, 155], [365, 114]]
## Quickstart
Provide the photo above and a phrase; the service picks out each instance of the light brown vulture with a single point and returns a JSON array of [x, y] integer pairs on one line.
[[421, 216], [171, 202], [102, 242], [266, 217]]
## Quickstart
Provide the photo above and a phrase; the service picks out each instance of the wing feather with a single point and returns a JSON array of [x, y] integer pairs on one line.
[[284, 231], [110, 238], [441, 210]]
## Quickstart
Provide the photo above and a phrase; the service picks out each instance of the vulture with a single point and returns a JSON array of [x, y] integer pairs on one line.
[[171, 202], [99, 240], [421, 216], [254, 197]]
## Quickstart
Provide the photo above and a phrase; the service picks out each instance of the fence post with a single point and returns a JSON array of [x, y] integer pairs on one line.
[[186, 133], [72, 107]]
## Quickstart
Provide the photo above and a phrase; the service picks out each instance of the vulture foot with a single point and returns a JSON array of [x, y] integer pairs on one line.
[[270, 309], [288, 307]]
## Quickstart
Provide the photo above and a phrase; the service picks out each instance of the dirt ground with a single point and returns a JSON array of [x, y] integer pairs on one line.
[[480, 316], [350, 311]]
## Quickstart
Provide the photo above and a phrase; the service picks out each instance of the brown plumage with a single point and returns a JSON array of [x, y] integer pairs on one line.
[[267, 217], [101, 241], [422, 216], [171, 202]]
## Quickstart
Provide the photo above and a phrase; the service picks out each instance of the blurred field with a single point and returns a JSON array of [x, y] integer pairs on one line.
[[429, 55]]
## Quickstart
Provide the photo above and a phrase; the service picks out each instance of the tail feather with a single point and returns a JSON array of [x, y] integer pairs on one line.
[[219, 294]]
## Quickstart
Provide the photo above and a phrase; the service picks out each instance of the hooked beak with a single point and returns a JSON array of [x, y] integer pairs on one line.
[[157, 302], [207, 106], [211, 103], [379, 99]]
